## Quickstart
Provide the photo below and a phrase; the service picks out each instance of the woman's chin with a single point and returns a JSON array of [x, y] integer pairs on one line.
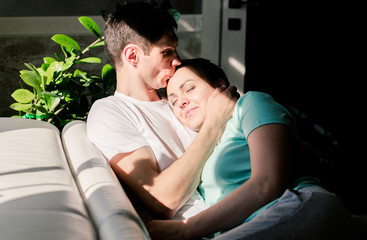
[[195, 126]]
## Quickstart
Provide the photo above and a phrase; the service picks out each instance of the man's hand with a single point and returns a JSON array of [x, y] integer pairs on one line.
[[219, 107]]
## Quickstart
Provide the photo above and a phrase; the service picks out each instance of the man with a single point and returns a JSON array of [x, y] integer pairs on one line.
[[136, 130]]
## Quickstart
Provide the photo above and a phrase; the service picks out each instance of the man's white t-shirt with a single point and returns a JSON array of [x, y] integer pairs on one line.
[[121, 124]]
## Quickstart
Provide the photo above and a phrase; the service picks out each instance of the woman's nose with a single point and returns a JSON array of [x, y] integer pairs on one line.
[[183, 102]]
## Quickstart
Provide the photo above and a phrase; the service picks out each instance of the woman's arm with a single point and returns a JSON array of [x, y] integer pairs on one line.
[[270, 153]]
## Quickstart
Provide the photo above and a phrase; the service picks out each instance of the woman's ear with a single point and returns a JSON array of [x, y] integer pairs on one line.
[[130, 54]]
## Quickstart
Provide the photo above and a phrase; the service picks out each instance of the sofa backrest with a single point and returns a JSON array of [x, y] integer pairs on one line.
[[109, 206], [38, 196]]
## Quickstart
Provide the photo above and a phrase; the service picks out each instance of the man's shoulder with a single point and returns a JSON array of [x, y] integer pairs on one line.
[[116, 108], [103, 109], [107, 104], [106, 100]]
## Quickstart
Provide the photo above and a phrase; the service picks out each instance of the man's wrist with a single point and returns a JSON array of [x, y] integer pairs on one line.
[[212, 131]]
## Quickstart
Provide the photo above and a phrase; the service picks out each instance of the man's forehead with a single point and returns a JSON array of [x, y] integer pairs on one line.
[[169, 39]]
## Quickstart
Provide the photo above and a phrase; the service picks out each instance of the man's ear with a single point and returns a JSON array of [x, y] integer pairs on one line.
[[130, 54]]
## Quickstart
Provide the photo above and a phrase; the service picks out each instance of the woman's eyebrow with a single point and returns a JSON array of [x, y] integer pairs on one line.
[[180, 87], [171, 95]]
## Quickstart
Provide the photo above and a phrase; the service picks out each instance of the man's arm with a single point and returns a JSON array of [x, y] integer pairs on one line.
[[164, 193]]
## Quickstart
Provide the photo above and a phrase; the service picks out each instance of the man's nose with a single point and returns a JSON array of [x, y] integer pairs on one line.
[[176, 60]]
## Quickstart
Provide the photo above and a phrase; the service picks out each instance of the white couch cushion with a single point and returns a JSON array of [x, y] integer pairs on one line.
[[37, 190]]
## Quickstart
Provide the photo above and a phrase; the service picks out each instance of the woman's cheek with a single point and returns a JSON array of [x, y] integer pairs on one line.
[[178, 114]]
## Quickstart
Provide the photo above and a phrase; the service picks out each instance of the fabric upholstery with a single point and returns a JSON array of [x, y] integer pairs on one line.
[[38, 196], [112, 212]]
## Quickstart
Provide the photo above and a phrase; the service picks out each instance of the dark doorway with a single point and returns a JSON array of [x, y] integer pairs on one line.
[[305, 54]]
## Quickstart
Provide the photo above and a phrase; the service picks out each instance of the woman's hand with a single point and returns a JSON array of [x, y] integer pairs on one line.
[[167, 229]]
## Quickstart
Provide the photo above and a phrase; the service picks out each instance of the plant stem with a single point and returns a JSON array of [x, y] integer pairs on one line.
[[87, 48], [58, 111]]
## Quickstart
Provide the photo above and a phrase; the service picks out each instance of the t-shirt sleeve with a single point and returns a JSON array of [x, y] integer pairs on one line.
[[255, 109], [113, 130]]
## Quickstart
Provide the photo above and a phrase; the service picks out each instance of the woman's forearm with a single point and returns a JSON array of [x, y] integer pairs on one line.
[[230, 212], [270, 154]]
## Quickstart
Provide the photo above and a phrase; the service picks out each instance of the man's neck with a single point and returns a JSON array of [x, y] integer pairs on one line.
[[131, 86]]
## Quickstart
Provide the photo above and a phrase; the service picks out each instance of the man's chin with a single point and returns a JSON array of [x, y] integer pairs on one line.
[[164, 83]]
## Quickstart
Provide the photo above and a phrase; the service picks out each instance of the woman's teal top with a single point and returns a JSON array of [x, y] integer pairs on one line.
[[229, 165]]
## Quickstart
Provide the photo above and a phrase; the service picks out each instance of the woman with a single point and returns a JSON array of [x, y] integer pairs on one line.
[[250, 181]]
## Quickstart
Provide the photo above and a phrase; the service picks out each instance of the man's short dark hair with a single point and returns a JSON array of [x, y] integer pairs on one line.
[[138, 23]]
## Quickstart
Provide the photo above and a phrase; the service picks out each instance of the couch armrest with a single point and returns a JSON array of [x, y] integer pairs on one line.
[[109, 206]]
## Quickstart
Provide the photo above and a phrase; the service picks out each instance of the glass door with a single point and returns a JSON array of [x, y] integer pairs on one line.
[[216, 30], [223, 37]]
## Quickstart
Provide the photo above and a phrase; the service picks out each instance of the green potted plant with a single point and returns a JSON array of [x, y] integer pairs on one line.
[[59, 91]]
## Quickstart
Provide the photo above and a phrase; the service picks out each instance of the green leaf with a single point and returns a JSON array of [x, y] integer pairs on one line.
[[52, 94], [21, 106], [70, 59], [81, 74], [52, 100], [69, 62], [53, 69], [68, 52], [42, 70], [31, 78], [174, 13], [59, 57], [90, 25], [68, 98], [89, 60], [66, 41], [108, 77], [48, 60], [54, 103], [31, 66], [40, 109], [23, 96]]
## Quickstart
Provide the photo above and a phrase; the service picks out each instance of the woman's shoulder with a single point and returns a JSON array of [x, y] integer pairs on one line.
[[252, 98], [260, 106], [255, 95], [255, 109]]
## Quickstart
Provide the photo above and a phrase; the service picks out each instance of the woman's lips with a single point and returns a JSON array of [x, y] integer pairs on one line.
[[190, 112]]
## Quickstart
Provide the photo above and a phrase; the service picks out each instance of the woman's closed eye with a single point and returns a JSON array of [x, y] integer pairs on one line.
[[190, 88], [173, 102]]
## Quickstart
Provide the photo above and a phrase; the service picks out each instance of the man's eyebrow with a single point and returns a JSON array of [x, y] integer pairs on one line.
[[180, 87]]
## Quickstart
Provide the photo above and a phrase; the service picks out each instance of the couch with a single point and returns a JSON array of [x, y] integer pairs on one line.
[[59, 186]]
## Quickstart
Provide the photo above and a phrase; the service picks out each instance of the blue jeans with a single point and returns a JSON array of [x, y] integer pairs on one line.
[[309, 213]]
